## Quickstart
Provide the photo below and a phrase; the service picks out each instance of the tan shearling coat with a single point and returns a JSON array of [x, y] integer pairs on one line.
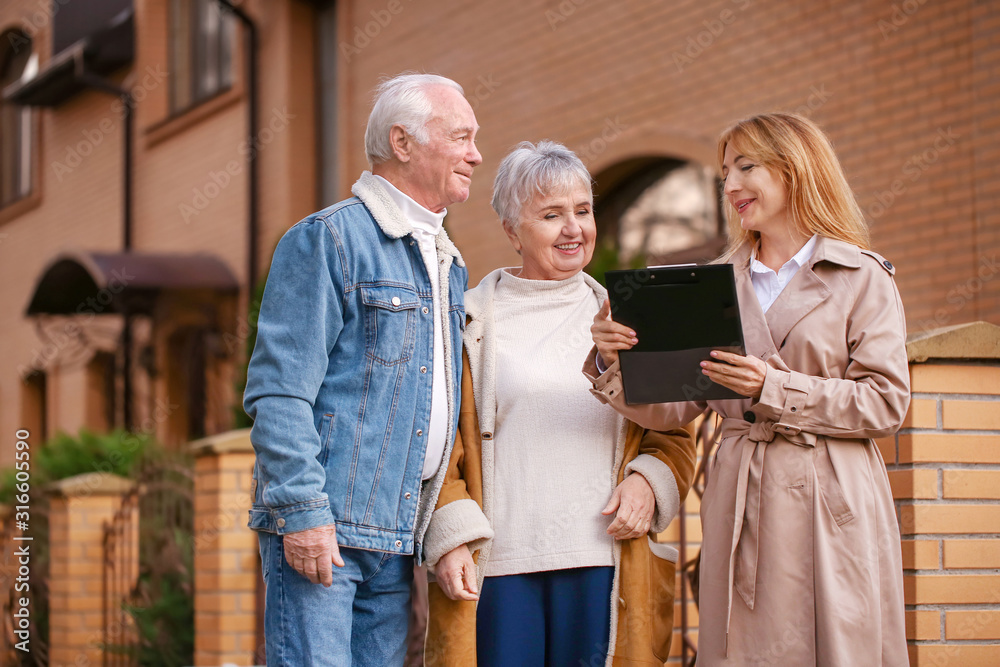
[[642, 601], [801, 560]]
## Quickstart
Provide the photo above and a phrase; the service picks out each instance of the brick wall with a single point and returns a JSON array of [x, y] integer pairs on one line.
[[79, 508], [226, 556], [944, 467], [906, 90]]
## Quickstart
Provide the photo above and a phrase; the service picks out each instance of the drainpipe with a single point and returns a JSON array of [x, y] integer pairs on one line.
[[98, 83], [252, 44]]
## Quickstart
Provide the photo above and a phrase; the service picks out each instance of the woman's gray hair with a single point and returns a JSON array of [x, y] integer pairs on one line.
[[401, 100], [531, 170]]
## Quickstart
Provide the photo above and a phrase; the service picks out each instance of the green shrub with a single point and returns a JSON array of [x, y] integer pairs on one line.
[[66, 456]]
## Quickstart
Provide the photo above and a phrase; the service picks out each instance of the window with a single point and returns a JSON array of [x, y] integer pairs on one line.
[[201, 54], [15, 120]]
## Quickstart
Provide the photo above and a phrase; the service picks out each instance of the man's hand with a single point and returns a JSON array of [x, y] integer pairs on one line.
[[635, 502], [744, 375], [310, 553], [609, 336], [456, 574]]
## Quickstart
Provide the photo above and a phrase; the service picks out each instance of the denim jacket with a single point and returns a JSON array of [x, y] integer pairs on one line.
[[339, 384]]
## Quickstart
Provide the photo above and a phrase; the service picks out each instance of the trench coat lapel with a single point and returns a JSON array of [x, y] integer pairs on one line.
[[805, 291], [765, 334], [756, 329]]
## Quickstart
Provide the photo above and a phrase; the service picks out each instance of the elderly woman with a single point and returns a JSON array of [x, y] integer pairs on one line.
[[801, 561], [557, 493]]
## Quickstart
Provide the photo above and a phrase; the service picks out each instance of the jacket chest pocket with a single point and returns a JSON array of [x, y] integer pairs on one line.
[[390, 322]]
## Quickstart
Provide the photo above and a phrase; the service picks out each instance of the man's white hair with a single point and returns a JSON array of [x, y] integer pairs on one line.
[[401, 100], [531, 170]]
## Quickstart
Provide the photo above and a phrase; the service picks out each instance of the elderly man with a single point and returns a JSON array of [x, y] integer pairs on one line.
[[354, 385]]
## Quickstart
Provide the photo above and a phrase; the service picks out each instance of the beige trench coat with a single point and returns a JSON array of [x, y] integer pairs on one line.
[[801, 560]]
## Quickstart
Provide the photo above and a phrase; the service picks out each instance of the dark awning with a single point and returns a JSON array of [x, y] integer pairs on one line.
[[72, 69], [123, 282]]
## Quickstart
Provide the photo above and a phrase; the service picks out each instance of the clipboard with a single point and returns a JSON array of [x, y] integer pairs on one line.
[[680, 314]]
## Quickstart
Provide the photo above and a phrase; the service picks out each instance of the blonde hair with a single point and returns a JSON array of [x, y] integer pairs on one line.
[[819, 199]]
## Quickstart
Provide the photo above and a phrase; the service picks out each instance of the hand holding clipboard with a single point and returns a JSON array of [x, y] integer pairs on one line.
[[680, 315]]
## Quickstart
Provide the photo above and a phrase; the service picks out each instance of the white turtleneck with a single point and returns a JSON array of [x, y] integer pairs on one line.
[[554, 446], [426, 226]]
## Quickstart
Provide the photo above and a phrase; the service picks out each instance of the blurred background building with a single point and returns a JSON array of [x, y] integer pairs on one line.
[[152, 153]]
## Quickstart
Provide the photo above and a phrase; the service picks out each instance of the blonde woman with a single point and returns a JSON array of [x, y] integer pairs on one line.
[[801, 560]]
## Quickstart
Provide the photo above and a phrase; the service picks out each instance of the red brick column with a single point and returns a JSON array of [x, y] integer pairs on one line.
[[944, 467], [79, 506], [226, 553]]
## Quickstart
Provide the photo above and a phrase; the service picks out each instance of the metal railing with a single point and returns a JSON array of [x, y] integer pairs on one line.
[[148, 557], [706, 437]]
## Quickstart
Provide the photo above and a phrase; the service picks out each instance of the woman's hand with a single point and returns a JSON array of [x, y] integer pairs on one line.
[[635, 502], [744, 375], [456, 574], [609, 336]]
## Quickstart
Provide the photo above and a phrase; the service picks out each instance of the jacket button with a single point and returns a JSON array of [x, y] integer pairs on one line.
[[281, 523], [888, 264], [750, 416], [419, 432], [423, 369], [395, 301], [407, 495], [399, 544], [487, 435]]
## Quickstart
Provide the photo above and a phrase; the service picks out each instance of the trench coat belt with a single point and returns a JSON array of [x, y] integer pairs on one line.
[[743, 554]]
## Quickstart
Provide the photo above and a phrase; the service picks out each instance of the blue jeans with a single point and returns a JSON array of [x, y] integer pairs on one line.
[[363, 619]]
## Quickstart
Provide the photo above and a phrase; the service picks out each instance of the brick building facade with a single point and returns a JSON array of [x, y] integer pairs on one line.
[[908, 91]]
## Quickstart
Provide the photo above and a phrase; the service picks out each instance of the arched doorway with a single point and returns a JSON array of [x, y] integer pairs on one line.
[[658, 210]]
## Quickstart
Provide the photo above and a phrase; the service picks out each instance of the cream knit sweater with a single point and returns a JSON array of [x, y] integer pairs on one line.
[[554, 445]]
